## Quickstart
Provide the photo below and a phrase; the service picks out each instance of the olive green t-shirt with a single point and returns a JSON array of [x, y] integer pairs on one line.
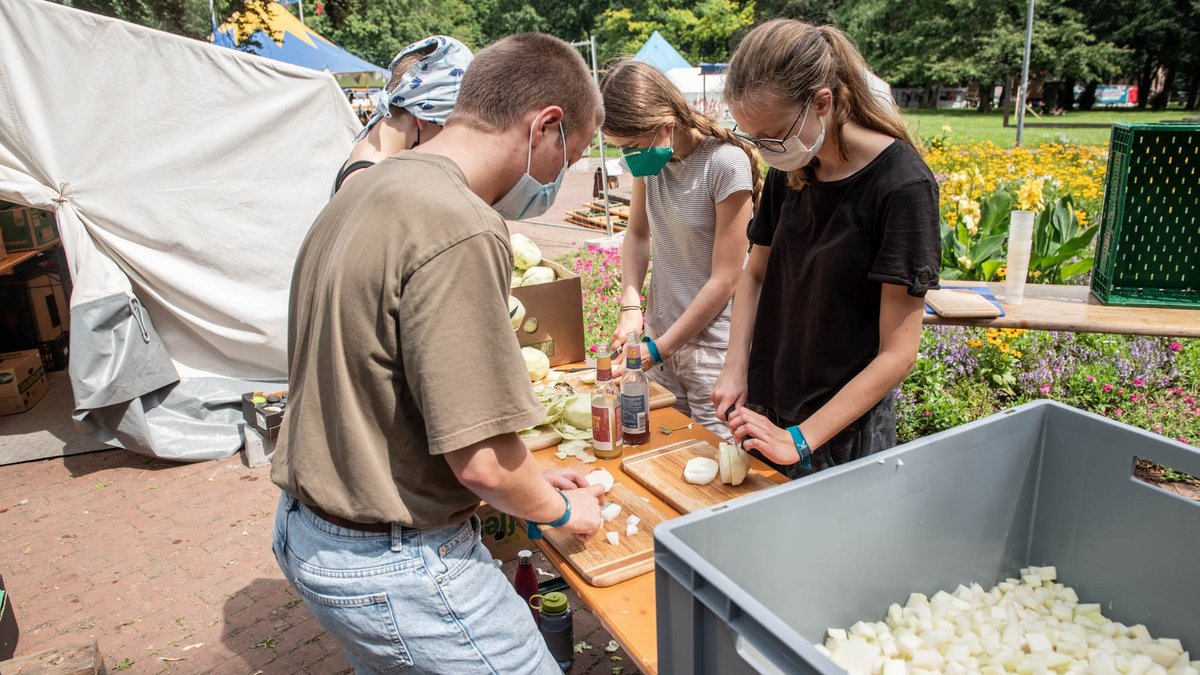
[[400, 345]]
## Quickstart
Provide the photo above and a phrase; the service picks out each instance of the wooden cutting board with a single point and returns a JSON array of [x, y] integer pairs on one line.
[[545, 437], [661, 471], [960, 303], [660, 396], [600, 563]]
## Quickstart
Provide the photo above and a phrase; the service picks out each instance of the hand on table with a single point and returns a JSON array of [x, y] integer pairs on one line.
[[585, 511], [565, 479], [756, 432]]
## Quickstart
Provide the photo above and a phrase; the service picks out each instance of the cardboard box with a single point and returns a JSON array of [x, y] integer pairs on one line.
[[503, 534], [33, 310], [553, 316], [51, 313], [9, 632], [264, 417], [23, 229], [22, 381]]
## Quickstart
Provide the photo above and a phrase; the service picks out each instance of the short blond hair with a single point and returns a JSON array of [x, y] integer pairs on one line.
[[525, 72]]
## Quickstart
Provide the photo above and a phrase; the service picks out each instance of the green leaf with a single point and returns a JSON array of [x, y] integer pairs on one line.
[[988, 268], [951, 274], [995, 216], [1075, 268], [987, 248]]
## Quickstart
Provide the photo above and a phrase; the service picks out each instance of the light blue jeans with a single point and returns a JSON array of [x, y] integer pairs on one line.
[[422, 601]]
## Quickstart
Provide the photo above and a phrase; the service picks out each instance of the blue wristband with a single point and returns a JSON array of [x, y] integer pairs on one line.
[[531, 528], [654, 355], [801, 447]]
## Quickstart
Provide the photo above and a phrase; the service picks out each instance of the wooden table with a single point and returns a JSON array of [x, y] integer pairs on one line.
[[1074, 309], [627, 609]]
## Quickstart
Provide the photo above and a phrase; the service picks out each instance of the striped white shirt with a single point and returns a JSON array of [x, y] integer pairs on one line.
[[681, 208]]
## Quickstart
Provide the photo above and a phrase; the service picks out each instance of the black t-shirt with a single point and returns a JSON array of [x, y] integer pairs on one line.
[[833, 245]]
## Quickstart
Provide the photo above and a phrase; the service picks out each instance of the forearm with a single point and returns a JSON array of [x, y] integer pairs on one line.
[[745, 313], [709, 302], [504, 474], [635, 261], [883, 374]]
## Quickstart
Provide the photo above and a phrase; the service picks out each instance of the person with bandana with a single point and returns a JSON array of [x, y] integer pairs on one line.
[[845, 244], [414, 106], [693, 192], [407, 387]]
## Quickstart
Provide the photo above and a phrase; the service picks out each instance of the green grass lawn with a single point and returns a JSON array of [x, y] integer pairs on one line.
[[969, 126]]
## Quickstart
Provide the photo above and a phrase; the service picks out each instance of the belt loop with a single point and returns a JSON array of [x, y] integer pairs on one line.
[[293, 504], [397, 538]]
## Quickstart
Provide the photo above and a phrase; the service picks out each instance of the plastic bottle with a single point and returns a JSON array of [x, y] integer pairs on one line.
[[606, 412], [557, 628], [525, 580], [635, 396]]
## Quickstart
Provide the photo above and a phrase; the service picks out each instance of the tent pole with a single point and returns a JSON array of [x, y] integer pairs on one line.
[[603, 154], [301, 3]]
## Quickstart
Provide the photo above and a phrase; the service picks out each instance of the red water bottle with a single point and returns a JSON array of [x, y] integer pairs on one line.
[[525, 580]]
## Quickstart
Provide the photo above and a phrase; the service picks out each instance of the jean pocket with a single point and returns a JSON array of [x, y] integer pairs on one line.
[[364, 625], [459, 550]]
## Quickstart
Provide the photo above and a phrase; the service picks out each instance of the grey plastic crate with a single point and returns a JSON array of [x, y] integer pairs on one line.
[[751, 585]]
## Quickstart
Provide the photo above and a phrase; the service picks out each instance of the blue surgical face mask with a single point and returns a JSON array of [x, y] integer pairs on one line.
[[529, 198]]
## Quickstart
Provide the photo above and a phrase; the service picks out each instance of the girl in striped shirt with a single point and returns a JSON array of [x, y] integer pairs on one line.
[[693, 194]]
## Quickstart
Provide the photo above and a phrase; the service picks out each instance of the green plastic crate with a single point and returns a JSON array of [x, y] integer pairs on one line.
[[1149, 246]]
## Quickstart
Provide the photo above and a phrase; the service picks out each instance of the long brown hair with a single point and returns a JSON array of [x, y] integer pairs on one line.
[[785, 61], [639, 98]]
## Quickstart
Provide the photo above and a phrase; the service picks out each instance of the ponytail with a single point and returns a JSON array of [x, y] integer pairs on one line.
[[785, 61], [709, 127]]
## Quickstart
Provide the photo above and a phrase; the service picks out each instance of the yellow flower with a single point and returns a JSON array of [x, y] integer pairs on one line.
[[1017, 353], [1004, 347], [1081, 216], [974, 344], [964, 261], [1002, 271], [1029, 198], [946, 128]]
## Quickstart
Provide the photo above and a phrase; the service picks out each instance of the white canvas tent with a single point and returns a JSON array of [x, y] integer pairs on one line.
[[184, 177], [702, 91]]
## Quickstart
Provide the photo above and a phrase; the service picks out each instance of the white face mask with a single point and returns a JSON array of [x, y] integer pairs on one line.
[[795, 155], [529, 198]]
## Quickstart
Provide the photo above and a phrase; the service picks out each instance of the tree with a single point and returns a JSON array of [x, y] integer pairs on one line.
[[189, 18], [376, 30], [703, 32]]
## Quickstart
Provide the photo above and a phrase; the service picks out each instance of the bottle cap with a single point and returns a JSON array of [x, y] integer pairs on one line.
[[524, 555], [554, 603]]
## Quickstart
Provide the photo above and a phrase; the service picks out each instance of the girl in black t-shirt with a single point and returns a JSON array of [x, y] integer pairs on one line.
[[845, 243]]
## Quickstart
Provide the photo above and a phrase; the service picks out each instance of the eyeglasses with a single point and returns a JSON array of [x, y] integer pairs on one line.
[[771, 144]]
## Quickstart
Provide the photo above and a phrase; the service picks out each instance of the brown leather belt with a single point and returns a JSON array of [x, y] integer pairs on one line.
[[348, 524]]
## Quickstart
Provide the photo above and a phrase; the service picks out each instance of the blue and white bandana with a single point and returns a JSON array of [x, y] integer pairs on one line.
[[429, 89]]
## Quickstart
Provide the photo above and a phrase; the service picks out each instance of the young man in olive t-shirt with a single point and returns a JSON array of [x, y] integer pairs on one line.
[[407, 386]]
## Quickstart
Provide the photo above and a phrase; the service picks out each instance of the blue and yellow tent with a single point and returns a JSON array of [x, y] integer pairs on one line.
[[276, 34]]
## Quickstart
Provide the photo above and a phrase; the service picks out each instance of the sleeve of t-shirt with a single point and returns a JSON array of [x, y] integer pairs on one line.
[[910, 250], [730, 173], [762, 226], [461, 358]]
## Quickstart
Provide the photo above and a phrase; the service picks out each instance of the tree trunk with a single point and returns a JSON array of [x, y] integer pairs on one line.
[[1193, 102], [986, 92], [1144, 85], [1088, 98], [1066, 95]]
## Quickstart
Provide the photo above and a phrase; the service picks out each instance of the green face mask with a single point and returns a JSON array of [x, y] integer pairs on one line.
[[644, 162]]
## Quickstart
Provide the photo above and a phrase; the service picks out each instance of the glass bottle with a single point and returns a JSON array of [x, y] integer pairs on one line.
[[635, 396]]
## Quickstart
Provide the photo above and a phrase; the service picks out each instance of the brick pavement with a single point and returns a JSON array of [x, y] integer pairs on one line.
[[169, 566]]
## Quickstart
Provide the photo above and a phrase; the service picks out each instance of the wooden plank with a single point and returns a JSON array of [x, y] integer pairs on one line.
[[8, 262], [80, 658], [600, 563], [660, 396], [1074, 309], [661, 471]]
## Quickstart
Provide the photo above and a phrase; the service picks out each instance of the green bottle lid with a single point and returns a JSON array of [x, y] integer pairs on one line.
[[554, 603]]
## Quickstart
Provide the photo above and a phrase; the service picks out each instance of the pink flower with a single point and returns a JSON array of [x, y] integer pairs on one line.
[[1091, 378], [1046, 389], [1133, 398], [928, 413], [1139, 382], [1183, 440], [1176, 347], [594, 348], [1119, 411], [1108, 388]]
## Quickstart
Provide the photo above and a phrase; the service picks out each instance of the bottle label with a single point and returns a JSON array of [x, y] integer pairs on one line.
[[633, 413], [604, 426]]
